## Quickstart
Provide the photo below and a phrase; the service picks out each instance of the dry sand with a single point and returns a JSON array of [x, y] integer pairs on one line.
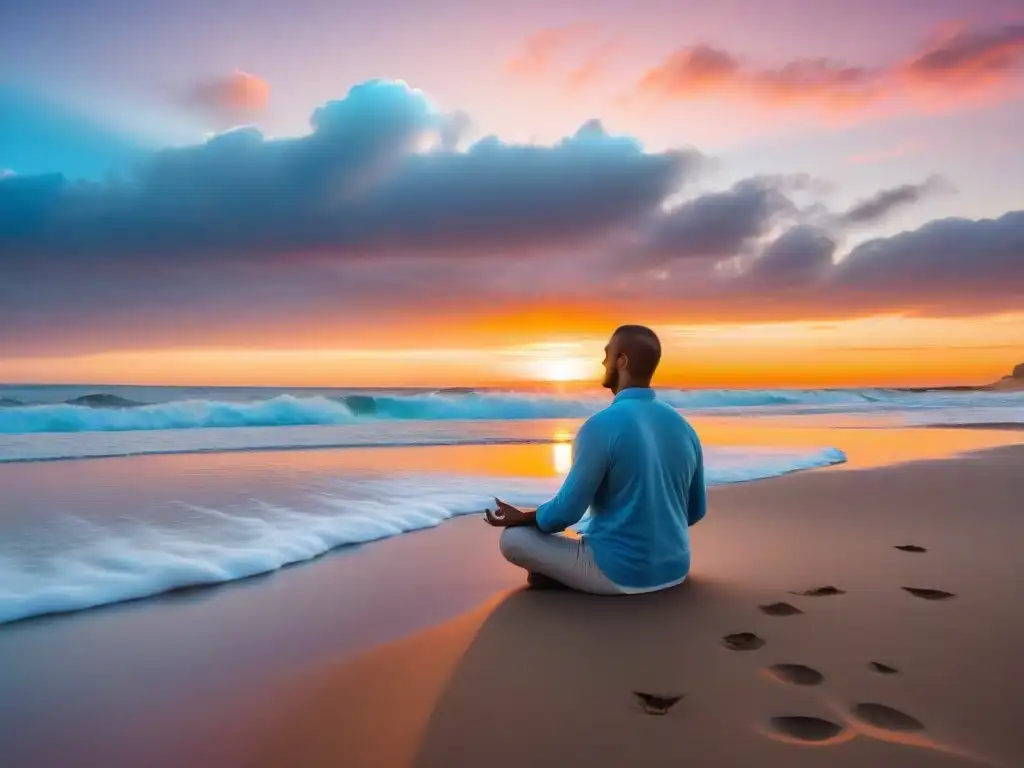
[[551, 678]]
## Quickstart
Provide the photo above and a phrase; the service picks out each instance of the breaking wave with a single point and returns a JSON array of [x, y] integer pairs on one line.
[[103, 412]]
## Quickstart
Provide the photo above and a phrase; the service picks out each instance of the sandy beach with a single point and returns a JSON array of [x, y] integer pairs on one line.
[[914, 661]]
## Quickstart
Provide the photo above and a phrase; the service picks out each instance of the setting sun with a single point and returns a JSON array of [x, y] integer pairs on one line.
[[564, 370], [556, 361]]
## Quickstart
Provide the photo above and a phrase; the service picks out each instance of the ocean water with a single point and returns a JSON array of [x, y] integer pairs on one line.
[[45, 422], [78, 530]]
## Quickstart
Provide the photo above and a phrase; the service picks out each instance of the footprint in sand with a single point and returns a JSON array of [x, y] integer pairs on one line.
[[743, 641], [796, 674], [910, 548], [804, 728], [883, 669], [780, 609], [929, 594], [887, 718], [653, 704], [821, 592]]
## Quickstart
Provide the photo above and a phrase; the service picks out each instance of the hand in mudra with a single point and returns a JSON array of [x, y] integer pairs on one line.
[[505, 515]]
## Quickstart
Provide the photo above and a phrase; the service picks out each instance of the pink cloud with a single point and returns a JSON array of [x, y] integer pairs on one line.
[[968, 58]]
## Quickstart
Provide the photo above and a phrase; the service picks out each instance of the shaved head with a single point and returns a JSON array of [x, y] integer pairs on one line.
[[639, 349]]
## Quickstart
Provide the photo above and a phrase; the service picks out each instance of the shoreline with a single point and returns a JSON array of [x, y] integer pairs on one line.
[[481, 442], [199, 588], [849, 462], [853, 459]]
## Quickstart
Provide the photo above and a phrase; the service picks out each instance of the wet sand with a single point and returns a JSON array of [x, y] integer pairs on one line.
[[905, 651]]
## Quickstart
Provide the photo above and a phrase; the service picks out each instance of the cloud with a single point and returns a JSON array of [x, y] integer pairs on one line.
[[702, 70], [877, 207], [234, 99], [718, 224], [801, 254], [955, 65], [946, 268], [969, 57], [946, 263], [379, 218], [542, 55], [375, 204], [539, 50], [358, 184]]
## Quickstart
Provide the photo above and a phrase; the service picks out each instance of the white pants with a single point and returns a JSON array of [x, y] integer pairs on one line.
[[564, 559]]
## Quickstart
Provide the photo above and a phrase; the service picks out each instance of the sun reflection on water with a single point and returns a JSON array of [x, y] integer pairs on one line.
[[561, 452]]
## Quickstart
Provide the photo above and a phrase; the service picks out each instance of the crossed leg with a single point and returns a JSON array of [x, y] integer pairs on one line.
[[569, 561]]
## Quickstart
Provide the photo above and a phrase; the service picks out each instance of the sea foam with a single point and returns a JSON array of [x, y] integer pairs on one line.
[[71, 563]]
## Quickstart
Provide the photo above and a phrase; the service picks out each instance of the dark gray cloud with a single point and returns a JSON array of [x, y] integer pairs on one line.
[[800, 255], [877, 207], [942, 264], [719, 224], [948, 267]]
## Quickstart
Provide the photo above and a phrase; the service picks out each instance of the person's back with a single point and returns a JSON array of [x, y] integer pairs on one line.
[[653, 490], [639, 468]]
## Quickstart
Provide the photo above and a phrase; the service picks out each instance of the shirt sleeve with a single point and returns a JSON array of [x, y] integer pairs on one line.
[[591, 455], [697, 504]]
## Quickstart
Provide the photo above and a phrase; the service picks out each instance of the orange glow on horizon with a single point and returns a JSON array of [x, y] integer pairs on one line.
[[880, 351]]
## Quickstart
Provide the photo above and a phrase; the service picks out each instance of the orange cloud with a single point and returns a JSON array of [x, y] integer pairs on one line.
[[957, 64], [230, 100], [540, 53], [703, 70]]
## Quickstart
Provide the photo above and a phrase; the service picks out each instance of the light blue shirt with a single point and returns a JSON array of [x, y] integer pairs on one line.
[[639, 467]]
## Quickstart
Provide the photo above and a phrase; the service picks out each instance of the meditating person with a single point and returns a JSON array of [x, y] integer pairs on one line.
[[638, 467]]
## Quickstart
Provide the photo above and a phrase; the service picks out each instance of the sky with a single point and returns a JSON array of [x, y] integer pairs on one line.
[[463, 193]]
